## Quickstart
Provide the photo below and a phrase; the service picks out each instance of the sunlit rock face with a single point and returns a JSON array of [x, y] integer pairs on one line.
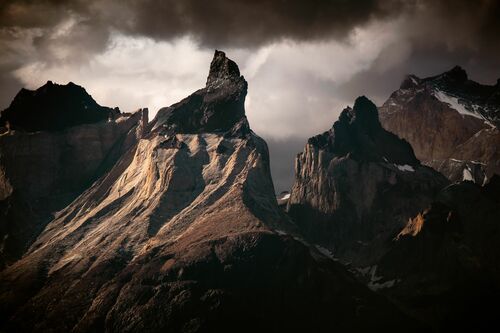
[[357, 184], [451, 122], [59, 141], [184, 234]]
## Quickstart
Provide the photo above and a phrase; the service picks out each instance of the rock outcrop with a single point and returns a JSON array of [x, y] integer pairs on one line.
[[41, 172], [356, 186], [184, 234], [445, 264], [451, 122]]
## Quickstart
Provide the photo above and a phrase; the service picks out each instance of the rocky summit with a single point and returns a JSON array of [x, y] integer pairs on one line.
[[183, 233], [451, 122], [53, 107], [215, 108], [430, 246], [357, 184]]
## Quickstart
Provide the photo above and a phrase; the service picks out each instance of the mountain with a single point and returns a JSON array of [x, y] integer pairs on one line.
[[43, 171], [54, 107], [444, 264], [451, 122], [184, 233], [357, 184]]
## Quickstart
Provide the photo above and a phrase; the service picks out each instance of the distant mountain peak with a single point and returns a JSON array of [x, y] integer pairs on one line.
[[456, 74], [358, 132], [53, 107], [410, 81]]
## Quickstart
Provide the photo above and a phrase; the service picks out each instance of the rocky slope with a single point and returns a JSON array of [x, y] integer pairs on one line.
[[184, 234], [41, 172], [451, 122], [356, 186], [445, 263]]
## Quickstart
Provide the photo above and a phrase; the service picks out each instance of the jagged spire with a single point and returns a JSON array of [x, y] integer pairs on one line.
[[222, 69], [216, 108]]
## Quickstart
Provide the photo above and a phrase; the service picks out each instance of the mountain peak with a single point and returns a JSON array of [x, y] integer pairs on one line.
[[53, 107], [222, 69], [456, 74], [219, 107], [358, 132], [410, 81], [365, 113]]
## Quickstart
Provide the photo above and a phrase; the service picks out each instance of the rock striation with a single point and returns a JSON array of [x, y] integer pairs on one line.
[[184, 234], [451, 122], [43, 171], [357, 184]]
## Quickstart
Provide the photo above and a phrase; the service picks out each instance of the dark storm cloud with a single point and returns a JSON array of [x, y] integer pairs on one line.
[[251, 23], [212, 23]]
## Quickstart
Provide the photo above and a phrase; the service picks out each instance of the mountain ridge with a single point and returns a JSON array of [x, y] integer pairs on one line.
[[451, 122], [184, 233]]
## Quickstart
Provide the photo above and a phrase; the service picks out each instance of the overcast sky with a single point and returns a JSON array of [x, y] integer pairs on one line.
[[304, 60]]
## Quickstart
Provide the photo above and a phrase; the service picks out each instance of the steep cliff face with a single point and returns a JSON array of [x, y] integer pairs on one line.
[[450, 121], [444, 265], [41, 172], [184, 234], [357, 184]]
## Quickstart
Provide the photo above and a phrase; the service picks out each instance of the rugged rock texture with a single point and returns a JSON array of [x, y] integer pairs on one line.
[[184, 234], [217, 107], [450, 121], [357, 184], [41, 172], [445, 264], [54, 107]]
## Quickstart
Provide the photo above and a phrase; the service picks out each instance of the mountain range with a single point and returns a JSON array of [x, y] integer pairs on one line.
[[111, 222]]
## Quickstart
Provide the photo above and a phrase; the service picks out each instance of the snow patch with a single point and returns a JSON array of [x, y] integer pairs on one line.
[[280, 232], [405, 167], [467, 175], [325, 252], [454, 104]]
